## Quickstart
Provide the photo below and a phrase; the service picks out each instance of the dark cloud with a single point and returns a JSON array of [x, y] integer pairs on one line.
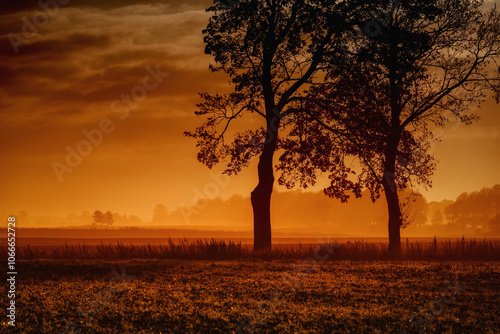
[[54, 49], [97, 61], [15, 6], [66, 46]]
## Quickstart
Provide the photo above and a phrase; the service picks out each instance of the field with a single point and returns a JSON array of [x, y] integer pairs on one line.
[[303, 289], [244, 296]]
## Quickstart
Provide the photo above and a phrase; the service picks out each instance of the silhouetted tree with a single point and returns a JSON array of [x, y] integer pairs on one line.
[[108, 218], [427, 64], [103, 218], [98, 217], [160, 214], [272, 51]]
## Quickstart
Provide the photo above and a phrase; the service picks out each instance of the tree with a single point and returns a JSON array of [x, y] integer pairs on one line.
[[478, 209], [272, 51], [160, 214], [103, 218], [437, 218], [427, 64], [98, 217], [108, 218]]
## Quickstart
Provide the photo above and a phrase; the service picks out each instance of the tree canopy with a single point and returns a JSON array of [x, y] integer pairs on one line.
[[272, 51], [430, 62]]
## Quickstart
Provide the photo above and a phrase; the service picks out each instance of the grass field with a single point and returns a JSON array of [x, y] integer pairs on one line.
[[461, 249], [217, 286], [259, 296]]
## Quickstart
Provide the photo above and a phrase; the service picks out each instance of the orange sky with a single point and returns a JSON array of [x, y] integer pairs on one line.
[[75, 73]]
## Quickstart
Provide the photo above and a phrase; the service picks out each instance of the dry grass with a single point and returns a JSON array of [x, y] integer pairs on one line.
[[461, 249]]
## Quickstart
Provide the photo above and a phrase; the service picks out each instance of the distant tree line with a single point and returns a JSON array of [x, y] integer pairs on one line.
[[472, 213], [477, 210]]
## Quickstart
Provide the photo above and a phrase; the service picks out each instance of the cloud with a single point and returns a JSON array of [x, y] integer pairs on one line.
[[477, 133], [11, 7], [90, 55]]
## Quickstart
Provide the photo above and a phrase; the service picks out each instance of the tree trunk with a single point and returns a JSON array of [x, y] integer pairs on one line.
[[391, 194], [261, 195], [391, 151]]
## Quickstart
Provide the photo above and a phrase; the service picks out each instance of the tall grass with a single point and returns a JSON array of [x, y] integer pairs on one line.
[[461, 249]]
